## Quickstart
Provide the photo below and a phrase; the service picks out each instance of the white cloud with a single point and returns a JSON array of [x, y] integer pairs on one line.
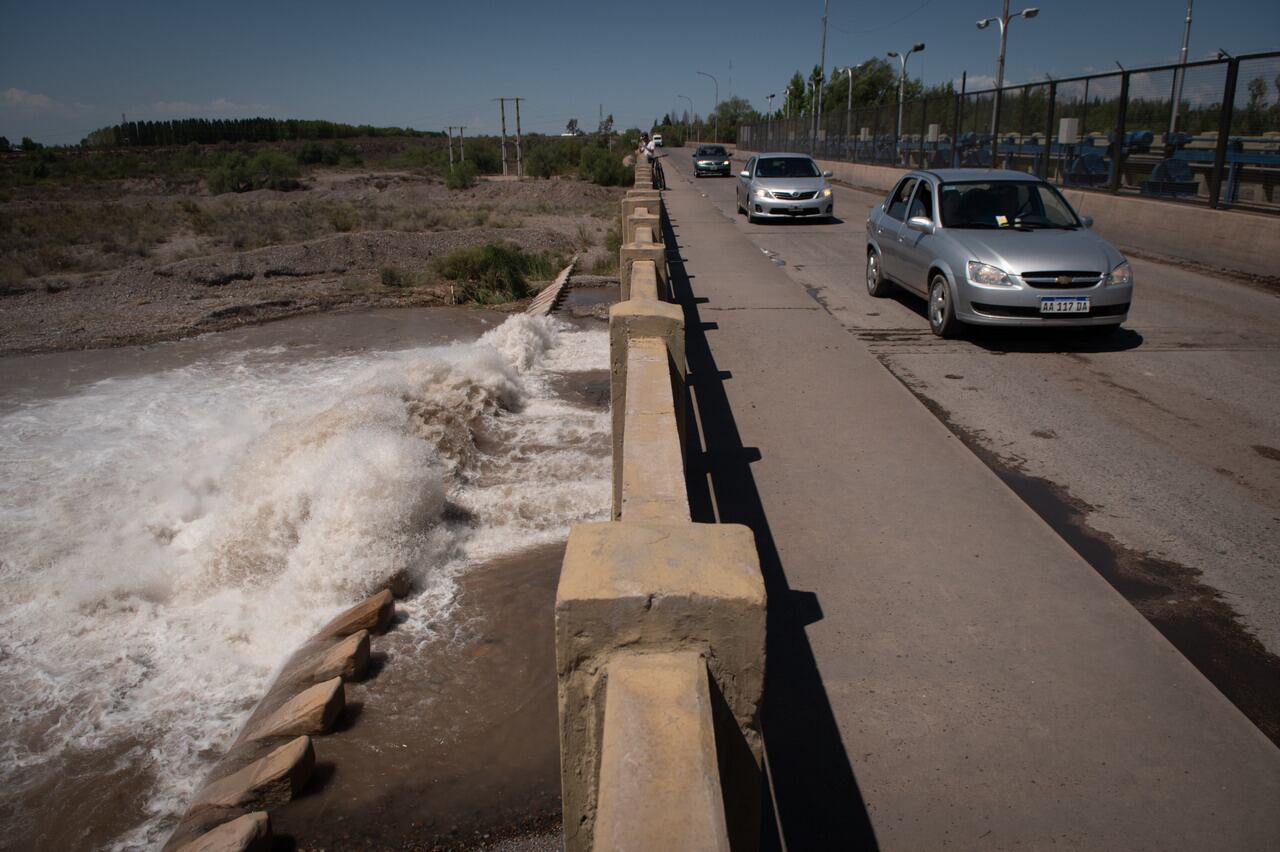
[[976, 82], [186, 109], [27, 100]]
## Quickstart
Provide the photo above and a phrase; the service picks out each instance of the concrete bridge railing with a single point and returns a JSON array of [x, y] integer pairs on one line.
[[660, 622]]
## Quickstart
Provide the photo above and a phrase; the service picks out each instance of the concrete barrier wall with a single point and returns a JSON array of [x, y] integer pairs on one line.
[[1237, 242], [659, 621]]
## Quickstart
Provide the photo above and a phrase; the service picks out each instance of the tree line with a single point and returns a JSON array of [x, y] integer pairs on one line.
[[211, 131]]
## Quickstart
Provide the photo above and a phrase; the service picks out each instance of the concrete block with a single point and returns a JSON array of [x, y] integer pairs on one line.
[[638, 221], [312, 711], [374, 615], [640, 200], [634, 320], [348, 659], [641, 251], [652, 470], [644, 281], [658, 588], [659, 774], [249, 833], [273, 780]]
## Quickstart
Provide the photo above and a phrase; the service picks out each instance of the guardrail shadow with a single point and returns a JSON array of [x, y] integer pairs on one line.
[[811, 798]]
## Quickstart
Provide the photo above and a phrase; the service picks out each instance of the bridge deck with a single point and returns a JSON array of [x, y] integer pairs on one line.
[[943, 668]]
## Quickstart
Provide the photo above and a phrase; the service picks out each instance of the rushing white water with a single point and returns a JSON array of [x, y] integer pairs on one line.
[[167, 540]]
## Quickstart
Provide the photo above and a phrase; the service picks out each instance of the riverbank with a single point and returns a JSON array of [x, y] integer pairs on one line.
[[118, 263]]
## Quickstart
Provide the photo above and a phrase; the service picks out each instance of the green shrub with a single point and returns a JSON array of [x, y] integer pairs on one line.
[[269, 169], [604, 167], [494, 272], [393, 277], [462, 176]]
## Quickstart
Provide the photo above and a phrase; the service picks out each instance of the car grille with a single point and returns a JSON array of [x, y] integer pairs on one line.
[[1062, 279], [796, 196], [1010, 311]]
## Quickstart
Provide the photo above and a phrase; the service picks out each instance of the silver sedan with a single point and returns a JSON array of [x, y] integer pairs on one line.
[[994, 247], [784, 186]]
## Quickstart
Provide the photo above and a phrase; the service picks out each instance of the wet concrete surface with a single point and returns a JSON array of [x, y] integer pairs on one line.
[[1196, 618], [456, 744]]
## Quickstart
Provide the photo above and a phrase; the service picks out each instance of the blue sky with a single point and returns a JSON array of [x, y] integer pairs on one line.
[[68, 67]]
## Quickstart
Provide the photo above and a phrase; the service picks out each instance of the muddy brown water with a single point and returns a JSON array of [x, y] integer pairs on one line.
[[451, 742]]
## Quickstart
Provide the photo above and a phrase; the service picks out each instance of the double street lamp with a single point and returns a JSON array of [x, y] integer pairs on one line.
[[902, 81], [1003, 20]]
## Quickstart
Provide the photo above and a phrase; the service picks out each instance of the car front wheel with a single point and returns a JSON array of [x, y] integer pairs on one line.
[[942, 312], [876, 285]]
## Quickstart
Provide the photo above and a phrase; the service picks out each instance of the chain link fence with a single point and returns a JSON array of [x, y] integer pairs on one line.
[[1205, 132]]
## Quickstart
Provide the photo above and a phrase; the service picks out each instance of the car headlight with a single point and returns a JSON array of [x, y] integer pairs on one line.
[[1121, 276], [761, 192], [725, 163], [826, 193], [986, 274]]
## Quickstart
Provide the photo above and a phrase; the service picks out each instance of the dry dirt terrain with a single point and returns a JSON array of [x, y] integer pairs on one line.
[[112, 263]]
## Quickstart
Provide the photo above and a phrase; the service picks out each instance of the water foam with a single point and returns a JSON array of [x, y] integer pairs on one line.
[[167, 540]]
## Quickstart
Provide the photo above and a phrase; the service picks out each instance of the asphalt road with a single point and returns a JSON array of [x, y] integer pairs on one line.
[[1156, 454]]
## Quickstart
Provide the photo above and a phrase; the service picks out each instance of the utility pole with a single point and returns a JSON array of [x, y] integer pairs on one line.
[[502, 106], [1180, 73], [462, 144], [502, 109], [519, 161]]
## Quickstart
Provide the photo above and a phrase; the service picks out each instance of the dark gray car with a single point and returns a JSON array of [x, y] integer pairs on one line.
[[995, 247], [711, 160]]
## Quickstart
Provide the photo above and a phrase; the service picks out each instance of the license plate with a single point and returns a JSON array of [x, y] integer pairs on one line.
[[1064, 304]]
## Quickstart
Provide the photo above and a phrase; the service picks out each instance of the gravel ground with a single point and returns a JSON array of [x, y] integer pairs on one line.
[[208, 263]]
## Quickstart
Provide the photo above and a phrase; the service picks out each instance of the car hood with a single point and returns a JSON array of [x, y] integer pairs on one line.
[[792, 184], [1038, 251]]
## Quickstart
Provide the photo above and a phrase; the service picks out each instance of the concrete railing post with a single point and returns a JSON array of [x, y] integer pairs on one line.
[[660, 622]]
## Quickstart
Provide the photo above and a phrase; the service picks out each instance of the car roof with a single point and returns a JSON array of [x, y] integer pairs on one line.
[[961, 175], [785, 154]]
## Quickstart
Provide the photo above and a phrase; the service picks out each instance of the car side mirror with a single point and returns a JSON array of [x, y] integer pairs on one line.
[[744, 173], [1087, 221], [827, 173], [923, 224]]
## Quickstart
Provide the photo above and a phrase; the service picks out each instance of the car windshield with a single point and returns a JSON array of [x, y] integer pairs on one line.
[[710, 151], [1021, 204], [787, 167]]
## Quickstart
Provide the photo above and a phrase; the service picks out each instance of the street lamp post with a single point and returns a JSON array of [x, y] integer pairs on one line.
[[848, 114], [715, 134], [688, 122], [822, 75], [1180, 74], [902, 83], [1003, 20], [768, 121]]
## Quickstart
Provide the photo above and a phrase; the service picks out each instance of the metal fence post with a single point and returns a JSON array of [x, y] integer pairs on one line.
[[1224, 134], [1048, 131], [1117, 146]]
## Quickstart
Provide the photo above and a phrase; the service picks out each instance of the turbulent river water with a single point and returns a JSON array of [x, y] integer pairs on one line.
[[175, 521]]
